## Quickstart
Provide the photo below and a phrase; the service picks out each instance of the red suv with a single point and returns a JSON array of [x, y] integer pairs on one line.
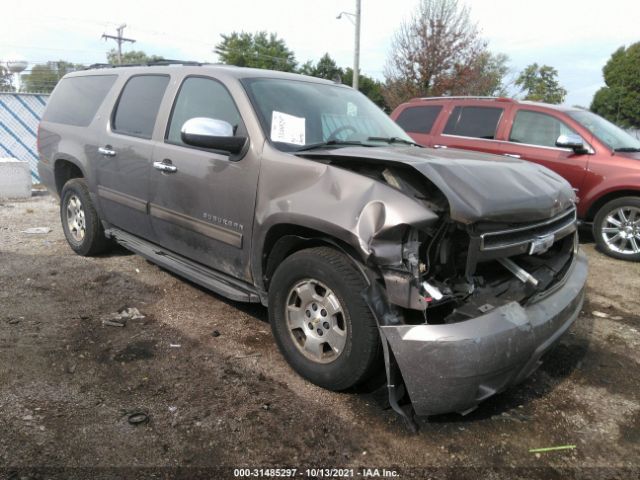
[[600, 160]]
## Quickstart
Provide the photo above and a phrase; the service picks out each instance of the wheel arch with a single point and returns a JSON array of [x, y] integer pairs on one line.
[[65, 169], [284, 239], [606, 198]]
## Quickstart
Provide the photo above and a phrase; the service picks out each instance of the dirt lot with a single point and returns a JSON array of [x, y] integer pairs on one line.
[[68, 383]]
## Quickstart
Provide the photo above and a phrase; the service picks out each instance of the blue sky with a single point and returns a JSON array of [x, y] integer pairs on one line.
[[575, 37]]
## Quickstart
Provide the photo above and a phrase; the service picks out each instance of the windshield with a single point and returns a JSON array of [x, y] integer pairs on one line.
[[298, 114], [615, 138]]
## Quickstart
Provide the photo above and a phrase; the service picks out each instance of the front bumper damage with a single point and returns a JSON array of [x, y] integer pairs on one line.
[[453, 367]]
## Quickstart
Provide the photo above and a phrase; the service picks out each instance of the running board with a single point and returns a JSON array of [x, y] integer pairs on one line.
[[210, 279]]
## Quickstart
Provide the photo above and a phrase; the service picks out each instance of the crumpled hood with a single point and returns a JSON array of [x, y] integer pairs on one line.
[[478, 186]]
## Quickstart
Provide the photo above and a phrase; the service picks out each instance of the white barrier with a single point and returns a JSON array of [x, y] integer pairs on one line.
[[15, 178]]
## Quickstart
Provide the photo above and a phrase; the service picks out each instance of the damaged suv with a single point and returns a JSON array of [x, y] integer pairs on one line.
[[450, 271]]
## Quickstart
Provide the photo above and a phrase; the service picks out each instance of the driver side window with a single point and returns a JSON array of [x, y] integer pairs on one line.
[[202, 97], [535, 128]]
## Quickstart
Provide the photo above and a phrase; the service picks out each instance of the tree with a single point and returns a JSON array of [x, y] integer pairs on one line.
[[5, 80], [619, 100], [134, 57], [325, 68], [44, 76], [484, 76], [439, 52], [259, 50], [367, 85], [541, 84], [328, 68]]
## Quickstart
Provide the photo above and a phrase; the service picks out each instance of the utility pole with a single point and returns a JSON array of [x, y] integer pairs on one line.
[[356, 54], [119, 40], [355, 19]]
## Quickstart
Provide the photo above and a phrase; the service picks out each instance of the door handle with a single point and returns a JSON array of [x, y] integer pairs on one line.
[[165, 166], [512, 155], [440, 146], [107, 151]]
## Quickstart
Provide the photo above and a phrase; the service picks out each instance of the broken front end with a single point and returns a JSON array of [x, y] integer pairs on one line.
[[465, 310], [473, 275]]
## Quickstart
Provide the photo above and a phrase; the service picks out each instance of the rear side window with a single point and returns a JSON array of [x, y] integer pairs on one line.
[[535, 128], [76, 100], [477, 122], [138, 105], [202, 97], [418, 119]]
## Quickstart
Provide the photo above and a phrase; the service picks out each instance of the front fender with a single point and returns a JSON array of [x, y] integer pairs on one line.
[[339, 203]]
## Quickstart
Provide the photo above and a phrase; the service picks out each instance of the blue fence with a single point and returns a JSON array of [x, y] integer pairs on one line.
[[19, 117]]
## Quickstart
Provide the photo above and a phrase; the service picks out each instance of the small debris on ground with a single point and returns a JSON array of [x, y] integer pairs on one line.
[[119, 319], [175, 345], [37, 230], [600, 314], [215, 333], [552, 449], [126, 313], [173, 409], [138, 418], [113, 323]]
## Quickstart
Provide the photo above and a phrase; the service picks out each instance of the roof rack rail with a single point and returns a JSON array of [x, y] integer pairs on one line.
[[99, 65], [153, 63], [166, 61], [463, 97]]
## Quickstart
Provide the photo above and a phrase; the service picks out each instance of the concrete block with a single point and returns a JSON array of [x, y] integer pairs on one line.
[[15, 178]]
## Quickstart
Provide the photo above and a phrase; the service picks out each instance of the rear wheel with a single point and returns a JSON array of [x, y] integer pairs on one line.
[[616, 228], [320, 321], [80, 221]]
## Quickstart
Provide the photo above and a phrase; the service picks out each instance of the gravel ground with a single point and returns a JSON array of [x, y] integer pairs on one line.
[[214, 390]]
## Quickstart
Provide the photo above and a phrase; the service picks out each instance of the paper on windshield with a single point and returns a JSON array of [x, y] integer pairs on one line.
[[287, 128]]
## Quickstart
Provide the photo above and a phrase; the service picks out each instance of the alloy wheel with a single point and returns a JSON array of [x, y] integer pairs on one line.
[[76, 218], [621, 230], [316, 321]]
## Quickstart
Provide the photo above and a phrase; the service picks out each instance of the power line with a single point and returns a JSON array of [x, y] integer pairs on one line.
[[119, 40]]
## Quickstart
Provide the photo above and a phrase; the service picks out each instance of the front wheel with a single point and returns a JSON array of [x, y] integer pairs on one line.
[[616, 228], [320, 321]]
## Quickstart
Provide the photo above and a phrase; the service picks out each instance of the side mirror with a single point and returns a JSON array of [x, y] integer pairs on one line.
[[211, 133], [572, 141]]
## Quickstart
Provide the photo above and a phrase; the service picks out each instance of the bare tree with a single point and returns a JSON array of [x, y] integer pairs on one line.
[[440, 52]]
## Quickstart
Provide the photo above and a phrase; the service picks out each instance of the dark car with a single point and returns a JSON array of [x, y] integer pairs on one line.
[[457, 269], [600, 160]]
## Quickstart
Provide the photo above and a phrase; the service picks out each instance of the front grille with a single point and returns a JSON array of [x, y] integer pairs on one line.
[[558, 226]]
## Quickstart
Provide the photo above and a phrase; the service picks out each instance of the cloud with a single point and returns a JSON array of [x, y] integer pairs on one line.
[[575, 37]]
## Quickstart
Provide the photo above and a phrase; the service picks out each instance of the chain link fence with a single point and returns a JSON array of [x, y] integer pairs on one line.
[[20, 114]]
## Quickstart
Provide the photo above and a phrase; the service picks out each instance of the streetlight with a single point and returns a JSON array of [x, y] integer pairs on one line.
[[355, 19]]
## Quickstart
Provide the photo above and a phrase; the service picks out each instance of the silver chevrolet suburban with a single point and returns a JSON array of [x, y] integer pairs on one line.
[[451, 272]]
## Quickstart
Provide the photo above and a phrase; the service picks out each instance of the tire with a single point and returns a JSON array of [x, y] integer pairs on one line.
[[80, 222], [619, 241], [327, 279]]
